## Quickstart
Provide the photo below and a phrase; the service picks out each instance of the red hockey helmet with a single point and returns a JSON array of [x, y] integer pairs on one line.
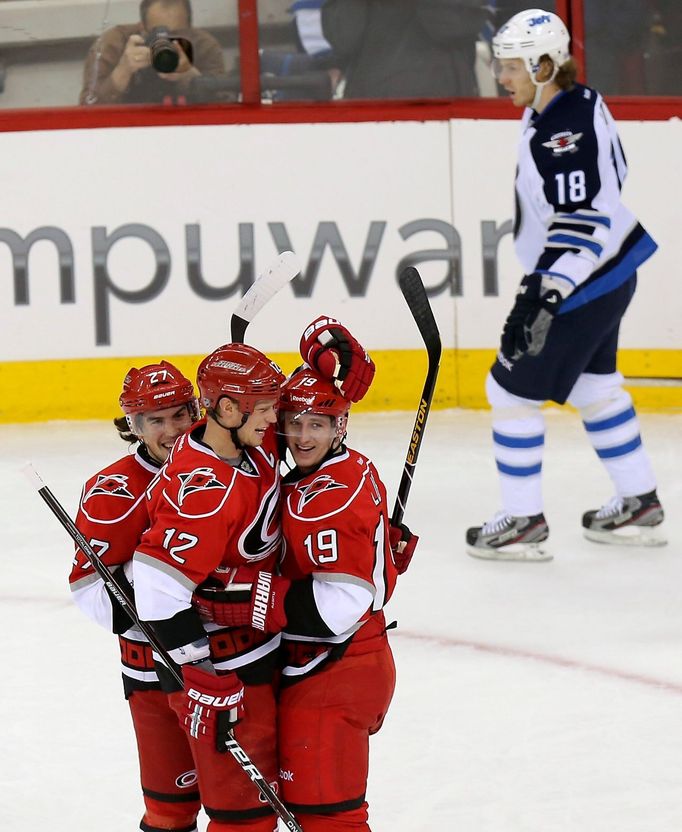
[[155, 387], [307, 392], [239, 372]]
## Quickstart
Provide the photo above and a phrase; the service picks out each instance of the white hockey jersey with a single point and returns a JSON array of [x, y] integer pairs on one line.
[[570, 222]]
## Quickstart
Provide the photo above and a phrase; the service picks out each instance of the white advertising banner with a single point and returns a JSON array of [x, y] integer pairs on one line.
[[133, 241]]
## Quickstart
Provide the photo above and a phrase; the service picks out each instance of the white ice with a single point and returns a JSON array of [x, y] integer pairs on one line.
[[531, 697]]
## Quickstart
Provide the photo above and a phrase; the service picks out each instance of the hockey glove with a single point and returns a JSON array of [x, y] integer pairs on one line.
[[537, 301], [267, 603], [213, 705], [403, 544], [226, 601], [248, 599], [328, 347]]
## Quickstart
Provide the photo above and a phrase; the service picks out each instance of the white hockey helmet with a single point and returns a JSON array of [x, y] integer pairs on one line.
[[531, 34]]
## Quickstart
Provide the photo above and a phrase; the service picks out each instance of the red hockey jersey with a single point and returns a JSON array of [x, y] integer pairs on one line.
[[112, 515], [335, 525], [208, 516]]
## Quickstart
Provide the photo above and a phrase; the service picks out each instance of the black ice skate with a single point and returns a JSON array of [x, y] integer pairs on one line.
[[629, 521], [509, 538]]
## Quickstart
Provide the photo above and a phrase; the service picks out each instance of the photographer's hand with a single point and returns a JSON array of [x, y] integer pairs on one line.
[[185, 71], [136, 56]]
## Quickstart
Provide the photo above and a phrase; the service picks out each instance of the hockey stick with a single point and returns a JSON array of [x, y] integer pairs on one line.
[[121, 595], [284, 269], [414, 293]]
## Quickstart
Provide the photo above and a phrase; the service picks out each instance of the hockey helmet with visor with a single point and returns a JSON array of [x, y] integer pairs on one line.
[[156, 387], [307, 392], [529, 35], [240, 372]]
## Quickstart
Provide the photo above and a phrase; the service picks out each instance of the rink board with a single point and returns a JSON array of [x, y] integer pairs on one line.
[[88, 388], [133, 244]]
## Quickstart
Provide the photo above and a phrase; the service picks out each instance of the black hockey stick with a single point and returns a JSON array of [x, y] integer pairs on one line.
[[414, 293], [121, 595], [284, 269]]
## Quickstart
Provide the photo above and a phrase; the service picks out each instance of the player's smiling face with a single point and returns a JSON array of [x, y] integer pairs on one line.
[[309, 437], [159, 429], [252, 432], [514, 77]]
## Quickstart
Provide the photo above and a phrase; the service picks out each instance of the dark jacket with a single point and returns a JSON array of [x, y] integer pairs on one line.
[[405, 48]]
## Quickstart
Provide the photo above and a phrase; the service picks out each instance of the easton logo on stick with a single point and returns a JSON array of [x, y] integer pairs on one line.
[[417, 432]]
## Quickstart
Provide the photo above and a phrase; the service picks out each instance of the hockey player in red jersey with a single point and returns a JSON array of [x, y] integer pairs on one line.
[[337, 572], [159, 405], [214, 507]]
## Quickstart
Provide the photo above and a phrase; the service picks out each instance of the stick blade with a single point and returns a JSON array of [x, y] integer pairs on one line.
[[412, 287], [266, 285]]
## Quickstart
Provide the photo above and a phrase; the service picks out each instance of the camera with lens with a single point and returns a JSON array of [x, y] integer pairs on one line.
[[165, 55]]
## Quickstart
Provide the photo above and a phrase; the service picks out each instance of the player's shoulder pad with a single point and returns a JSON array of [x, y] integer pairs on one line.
[[115, 492], [568, 126], [343, 483], [197, 483]]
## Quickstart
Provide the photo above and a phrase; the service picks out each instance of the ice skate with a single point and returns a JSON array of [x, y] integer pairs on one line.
[[509, 538], [627, 521]]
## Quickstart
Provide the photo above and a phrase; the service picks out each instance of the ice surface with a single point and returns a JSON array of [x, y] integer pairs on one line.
[[532, 697]]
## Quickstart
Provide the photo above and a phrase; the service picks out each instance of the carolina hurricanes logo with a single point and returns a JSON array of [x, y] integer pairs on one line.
[[114, 485], [264, 535], [318, 486], [200, 479], [564, 142]]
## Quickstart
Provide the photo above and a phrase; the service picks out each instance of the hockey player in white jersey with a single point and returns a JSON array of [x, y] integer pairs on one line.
[[580, 248]]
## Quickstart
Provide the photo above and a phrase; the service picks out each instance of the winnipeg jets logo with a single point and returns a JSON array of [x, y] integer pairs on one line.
[[564, 142], [200, 479], [114, 485], [318, 486]]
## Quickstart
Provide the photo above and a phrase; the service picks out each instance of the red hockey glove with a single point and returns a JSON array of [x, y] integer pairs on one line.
[[403, 544], [328, 347], [226, 601], [214, 705], [248, 599], [267, 603]]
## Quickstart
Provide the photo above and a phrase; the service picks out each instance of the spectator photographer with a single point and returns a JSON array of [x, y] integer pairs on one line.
[[152, 61]]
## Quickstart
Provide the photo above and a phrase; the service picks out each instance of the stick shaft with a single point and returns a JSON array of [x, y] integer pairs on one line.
[[415, 294]]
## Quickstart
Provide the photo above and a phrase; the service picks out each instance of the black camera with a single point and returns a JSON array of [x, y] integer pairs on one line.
[[163, 46]]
